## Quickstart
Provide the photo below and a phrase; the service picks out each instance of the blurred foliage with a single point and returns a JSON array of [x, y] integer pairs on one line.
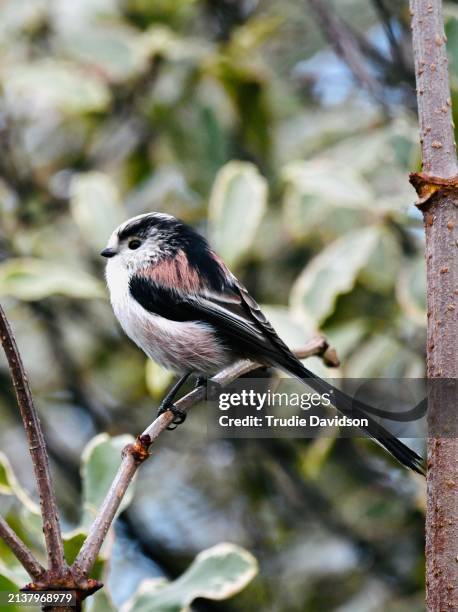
[[216, 573], [236, 112]]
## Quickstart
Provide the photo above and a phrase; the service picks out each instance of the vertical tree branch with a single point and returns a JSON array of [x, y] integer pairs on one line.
[[37, 448], [438, 190], [433, 90]]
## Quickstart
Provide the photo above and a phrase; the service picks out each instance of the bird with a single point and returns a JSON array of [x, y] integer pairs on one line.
[[177, 300]]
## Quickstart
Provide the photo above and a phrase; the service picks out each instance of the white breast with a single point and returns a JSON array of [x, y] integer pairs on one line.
[[178, 346]]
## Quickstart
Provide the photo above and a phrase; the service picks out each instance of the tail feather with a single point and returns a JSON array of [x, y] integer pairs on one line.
[[352, 408]]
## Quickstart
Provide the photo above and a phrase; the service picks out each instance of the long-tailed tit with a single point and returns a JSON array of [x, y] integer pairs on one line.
[[176, 299]]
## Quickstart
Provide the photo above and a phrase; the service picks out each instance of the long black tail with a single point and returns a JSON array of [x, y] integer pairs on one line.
[[352, 408]]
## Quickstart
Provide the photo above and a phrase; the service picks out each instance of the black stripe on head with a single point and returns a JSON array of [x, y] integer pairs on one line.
[[139, 227]]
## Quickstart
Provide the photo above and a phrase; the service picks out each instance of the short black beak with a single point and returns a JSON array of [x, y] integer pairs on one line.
[[108, 252]]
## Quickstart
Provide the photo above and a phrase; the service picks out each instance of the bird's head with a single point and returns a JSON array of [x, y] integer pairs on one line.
[[149, 239], [144, 240]]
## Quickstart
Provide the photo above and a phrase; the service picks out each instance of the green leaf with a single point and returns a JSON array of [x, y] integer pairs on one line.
[[295, 333], [333, 272], [380, 356], [100, 461], [25, 517], [34, 279], [330, 181], [48, 83], [216, 573], [314, 456], [157, 378], [317, 191], [367, 150], [85, 12], [116, 50], [13, 575], [381, 271], [164, 42], [100, 602], [16, 16], [9, 485], [10, 586], [237, 204], [307, 133], [96, 207], [347, 335], [73, 542], [451, 31], [7, 478]]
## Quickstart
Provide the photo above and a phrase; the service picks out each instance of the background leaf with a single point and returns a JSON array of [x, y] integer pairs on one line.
[[237, 204], [320, 189], [34, 279], [117, 51], [49, 83], [332, 272], [382, 268], [100, 602], [9, 586], [216, 573], [100, 462], [158, 378], [96, 207], [9, 485]]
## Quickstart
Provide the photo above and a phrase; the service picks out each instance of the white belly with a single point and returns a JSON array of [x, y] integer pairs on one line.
[[178, 346]]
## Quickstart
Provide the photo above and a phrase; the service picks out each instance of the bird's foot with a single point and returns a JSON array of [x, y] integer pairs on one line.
[[179, 416], [201, 381]]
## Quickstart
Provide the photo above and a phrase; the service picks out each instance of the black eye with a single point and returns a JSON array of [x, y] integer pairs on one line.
[[134, 244]]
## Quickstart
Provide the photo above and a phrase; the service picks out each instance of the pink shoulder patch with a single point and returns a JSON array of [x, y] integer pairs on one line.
[[175, 273]]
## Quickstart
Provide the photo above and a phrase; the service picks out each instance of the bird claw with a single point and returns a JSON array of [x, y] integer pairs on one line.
[[179, 416], [201, 381]]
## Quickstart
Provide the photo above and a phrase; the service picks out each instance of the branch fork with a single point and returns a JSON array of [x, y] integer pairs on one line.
[[59, 576], [138, 449]]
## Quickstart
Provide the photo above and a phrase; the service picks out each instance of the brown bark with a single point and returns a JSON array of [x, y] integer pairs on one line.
[[438, 200], [135, 454], [59, 575], [37, 448]]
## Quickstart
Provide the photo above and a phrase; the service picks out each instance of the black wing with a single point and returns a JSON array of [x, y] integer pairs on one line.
[[240, 324], [235, 317]]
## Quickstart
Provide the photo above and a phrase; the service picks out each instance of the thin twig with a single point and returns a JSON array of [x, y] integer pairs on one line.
[[386, 18], [134, 455], [25, 557], [341, 38], [37, 448]]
